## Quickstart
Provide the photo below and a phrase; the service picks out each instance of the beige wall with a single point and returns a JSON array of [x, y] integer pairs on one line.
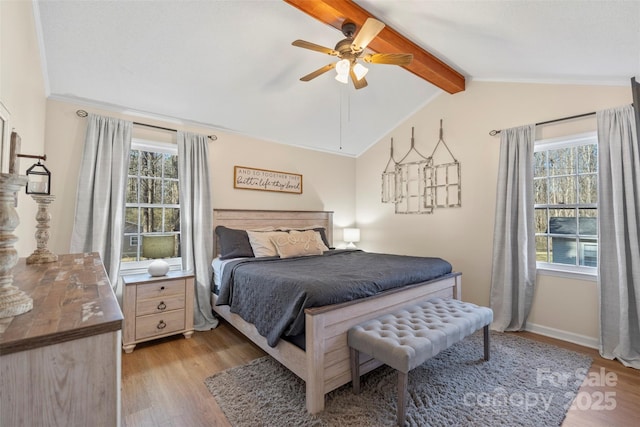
[[22, 92], [464, 235], [328, 180]]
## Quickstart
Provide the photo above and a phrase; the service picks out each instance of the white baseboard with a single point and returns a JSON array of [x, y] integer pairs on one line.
[[583, 340]]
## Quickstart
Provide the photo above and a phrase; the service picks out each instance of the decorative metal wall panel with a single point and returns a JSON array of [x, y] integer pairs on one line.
[[420, 186]]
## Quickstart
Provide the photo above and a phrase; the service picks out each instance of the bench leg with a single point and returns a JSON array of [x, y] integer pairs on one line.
[[486, 342], [402, 397], [355, 370]]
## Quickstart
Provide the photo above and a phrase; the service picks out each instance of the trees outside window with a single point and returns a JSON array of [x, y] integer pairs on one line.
[[566, 197], [152, 205]]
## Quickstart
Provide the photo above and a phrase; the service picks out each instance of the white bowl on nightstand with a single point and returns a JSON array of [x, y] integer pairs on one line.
[[158, 268]]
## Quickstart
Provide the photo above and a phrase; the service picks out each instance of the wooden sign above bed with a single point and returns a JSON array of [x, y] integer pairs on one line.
[[266, 180]]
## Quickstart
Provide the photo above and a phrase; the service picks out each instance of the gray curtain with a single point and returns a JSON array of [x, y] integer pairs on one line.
[[514, 253], [99, 216], [196, 222], [619, 236]]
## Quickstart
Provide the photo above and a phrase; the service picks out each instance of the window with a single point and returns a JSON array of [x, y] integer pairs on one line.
[[566, 197], [152, 206]]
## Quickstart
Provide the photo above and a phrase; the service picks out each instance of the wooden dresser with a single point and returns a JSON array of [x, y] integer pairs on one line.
[[60, 362], [156, 307]]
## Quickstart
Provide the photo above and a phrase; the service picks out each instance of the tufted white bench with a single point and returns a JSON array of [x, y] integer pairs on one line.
[[407, 338]]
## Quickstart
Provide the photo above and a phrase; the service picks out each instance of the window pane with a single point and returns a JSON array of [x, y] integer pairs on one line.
[[150, 191], [150, 163], [133, 162], [156, 215], [541, 249], [588, 188], [129, 248], [171, 192], [540, 187], [564, 250], [170, 166], [588, 252], [171, 219], [132, 190], [563, 221], [562, 161], [541, 220], [131, 220], [540, 164], [588, 222], [588, 158], [562, 190], [146, 217]]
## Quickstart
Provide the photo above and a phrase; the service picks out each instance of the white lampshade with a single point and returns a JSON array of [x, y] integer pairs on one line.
[[360, 71], [342, 78], [342, 70], [351, 235]]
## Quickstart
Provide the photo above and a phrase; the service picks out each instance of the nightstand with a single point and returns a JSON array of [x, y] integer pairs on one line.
[[156, 307]]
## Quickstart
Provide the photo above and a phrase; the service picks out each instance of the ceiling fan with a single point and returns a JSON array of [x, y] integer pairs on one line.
[[350, 49]]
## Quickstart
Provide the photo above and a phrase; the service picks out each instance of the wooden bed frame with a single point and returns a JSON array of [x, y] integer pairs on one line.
[[324, 366]]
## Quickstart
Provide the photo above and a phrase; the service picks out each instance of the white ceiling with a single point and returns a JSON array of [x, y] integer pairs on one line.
[[229, 64]]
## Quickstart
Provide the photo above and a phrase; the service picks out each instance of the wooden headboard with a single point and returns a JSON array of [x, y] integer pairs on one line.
[[247, 219]]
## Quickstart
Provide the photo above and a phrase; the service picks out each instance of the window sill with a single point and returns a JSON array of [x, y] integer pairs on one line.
[[589, 274]]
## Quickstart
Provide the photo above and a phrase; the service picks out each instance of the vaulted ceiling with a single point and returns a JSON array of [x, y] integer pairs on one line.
[[230, 64]]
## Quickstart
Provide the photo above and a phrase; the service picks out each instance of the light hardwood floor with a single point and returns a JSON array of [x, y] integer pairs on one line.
[[163, 382]]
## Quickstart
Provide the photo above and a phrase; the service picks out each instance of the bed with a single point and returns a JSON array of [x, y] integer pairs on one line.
[[324, 365]]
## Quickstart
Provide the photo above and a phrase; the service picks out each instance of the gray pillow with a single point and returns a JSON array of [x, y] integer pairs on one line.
[[233, 243]]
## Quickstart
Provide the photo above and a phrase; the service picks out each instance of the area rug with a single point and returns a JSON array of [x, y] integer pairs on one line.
[[526, 383]]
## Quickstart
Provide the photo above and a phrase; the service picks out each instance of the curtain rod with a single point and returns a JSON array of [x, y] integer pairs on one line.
[[577, 116], [83, 113]]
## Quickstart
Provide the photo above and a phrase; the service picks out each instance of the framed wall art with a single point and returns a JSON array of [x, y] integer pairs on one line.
[[246, 178]]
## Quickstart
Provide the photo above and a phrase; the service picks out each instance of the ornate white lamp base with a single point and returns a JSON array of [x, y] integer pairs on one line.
[[42, 255], [13, 301]]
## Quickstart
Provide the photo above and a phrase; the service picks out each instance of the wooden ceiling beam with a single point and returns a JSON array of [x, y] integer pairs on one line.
[[424, 64]]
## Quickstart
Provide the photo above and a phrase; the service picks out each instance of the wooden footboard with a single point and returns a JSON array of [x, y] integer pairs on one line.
[[326, 333], [325, 365]]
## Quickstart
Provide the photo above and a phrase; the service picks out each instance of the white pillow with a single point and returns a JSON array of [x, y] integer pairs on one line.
[[319, 238], [298, 243], [309, 227], [261, 242]]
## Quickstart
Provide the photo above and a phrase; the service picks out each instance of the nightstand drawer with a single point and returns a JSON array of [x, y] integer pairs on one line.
[[159, 305], [160, 289], [159, 324]]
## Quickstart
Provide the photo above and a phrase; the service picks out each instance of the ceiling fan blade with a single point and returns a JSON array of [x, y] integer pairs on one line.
[[402, 59], [318, 72], [368, 32], [316, 47], [358, 84]]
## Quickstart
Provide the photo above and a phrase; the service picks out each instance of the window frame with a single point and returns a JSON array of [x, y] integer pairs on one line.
[[136, 267], [568, 270]]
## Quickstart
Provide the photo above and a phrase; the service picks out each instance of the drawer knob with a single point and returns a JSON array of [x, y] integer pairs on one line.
[[162, 305], [161, 325], [162, 288]]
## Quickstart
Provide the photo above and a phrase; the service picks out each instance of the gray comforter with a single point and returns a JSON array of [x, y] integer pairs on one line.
[[272, 293]]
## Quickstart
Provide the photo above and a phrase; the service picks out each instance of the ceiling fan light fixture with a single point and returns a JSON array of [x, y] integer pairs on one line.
[[342, 67], [360, 70], [342, 70], [342, 78]]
